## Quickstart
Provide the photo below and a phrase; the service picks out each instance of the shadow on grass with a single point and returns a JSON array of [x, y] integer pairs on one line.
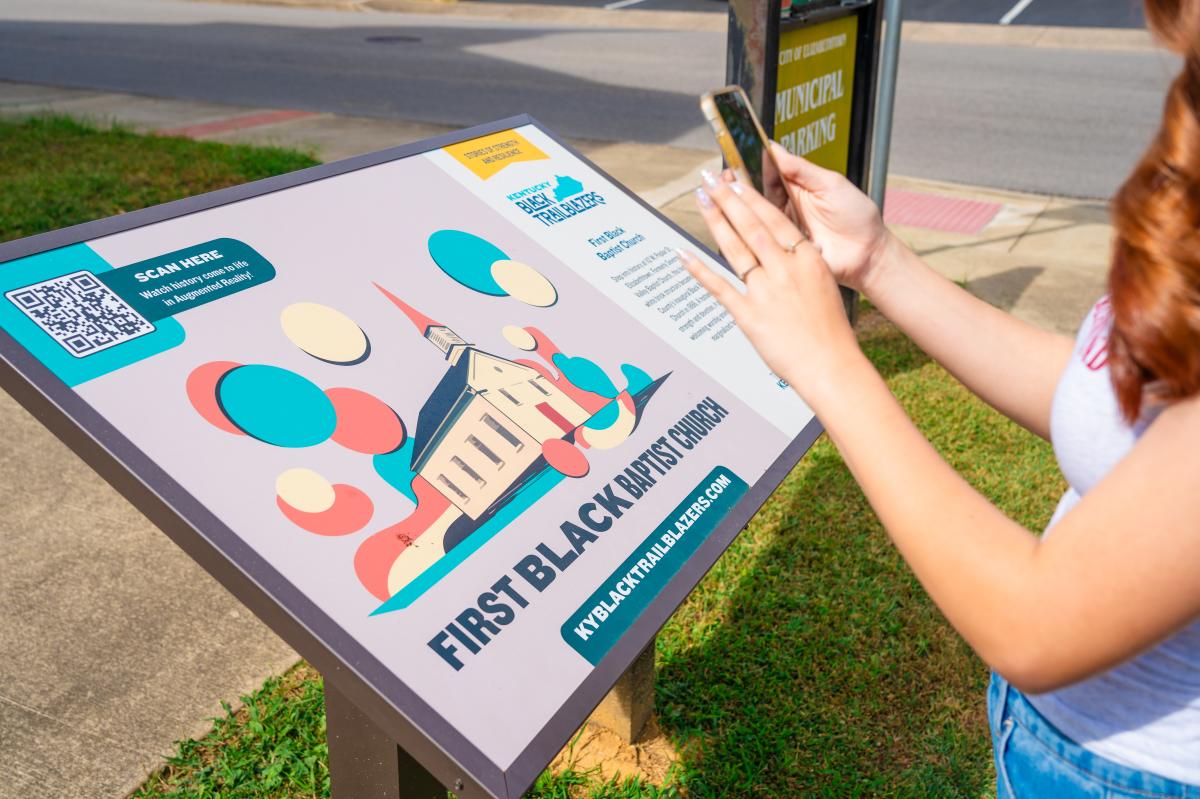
[[810, 662], [830, 674], [885, 345]]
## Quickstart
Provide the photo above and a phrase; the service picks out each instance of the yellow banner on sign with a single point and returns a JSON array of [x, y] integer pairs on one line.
[[487, 155], [815, 91]]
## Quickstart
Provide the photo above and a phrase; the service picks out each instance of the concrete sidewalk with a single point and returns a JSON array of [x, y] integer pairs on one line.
[[155, 644]]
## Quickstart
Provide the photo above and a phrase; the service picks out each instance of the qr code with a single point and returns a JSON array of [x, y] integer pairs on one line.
[[80, 313]]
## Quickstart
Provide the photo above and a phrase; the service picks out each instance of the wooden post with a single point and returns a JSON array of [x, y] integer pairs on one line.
[[630, 703]]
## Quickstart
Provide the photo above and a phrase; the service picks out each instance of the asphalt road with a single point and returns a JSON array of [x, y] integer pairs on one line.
[[1067, 122], [1078, 13], [1050, 121]]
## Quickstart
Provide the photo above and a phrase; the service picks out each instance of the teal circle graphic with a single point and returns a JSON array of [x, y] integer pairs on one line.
[[585, 374], [277, 406], [467, 259]]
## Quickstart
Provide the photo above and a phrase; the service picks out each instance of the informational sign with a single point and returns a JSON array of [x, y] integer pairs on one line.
[[814, 91], [457, 409]]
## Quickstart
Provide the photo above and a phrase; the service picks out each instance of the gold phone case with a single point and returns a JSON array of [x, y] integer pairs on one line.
[[708, 106]]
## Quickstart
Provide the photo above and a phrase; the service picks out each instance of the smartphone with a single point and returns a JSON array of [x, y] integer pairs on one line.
[[747, 151], [744, 144]]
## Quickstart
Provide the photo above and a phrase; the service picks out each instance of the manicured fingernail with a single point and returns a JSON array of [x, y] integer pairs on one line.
[[703, 198], [709, 178], [736, 188], [683, 256]]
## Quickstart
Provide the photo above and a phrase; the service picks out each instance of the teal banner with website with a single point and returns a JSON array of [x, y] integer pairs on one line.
[[611, 610]]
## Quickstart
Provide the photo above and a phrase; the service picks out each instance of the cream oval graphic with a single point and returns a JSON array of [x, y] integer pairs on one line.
[[525, 283], [305, 490], [519, 337], [325, 333]]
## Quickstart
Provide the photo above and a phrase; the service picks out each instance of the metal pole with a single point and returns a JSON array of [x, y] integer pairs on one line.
[[887, 100]]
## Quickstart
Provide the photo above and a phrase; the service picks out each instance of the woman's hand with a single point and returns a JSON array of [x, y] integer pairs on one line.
[[792, 310], [843, 222]]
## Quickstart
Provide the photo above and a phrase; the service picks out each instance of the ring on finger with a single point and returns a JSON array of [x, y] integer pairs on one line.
[[742, 276], [791, 250]]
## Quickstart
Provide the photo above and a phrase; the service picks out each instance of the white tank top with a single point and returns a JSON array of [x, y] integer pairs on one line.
[[1144, 713]]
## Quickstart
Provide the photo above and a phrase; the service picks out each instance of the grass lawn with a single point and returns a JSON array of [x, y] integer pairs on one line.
[[807, 663], [59, 172]]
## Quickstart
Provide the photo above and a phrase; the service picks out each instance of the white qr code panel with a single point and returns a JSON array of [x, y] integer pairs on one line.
[[80, 313]]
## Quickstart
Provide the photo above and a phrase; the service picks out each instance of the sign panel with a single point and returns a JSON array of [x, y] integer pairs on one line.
[[456, 409], [814, 91]]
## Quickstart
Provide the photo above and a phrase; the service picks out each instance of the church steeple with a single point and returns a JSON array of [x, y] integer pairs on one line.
[[450, 343], [422, 322]]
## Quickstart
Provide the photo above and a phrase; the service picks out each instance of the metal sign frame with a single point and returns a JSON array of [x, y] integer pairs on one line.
[[382, 697]]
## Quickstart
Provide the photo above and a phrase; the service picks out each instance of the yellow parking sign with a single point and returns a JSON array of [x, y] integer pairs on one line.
[[813, 97]]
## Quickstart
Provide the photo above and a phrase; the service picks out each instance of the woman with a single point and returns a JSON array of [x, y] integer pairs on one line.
[[1092, 632]]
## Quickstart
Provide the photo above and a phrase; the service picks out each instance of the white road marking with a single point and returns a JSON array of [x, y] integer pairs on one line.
[[622, 4], [1015, 11]]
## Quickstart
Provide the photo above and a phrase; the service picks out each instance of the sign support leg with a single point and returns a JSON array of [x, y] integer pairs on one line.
[[364, 763], [630, 703]]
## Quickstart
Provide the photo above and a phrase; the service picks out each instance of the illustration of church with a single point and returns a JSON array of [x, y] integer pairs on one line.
[[485, 422]]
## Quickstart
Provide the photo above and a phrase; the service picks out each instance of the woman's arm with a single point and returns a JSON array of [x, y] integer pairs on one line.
[[1120, 572], [1011, 364]]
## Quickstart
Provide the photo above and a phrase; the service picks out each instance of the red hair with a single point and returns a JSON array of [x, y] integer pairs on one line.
[[1154, 284]]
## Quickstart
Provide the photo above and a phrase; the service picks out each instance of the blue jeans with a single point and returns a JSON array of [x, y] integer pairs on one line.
[[1033, 759]]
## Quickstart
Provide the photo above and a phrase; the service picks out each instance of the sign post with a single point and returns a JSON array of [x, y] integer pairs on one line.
[[893, 19], [810, 72], [452, 419]]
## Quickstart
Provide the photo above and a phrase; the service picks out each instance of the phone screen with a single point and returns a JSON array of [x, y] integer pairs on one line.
[[759, 165]]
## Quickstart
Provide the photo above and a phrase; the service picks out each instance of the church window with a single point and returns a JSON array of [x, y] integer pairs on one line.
[[485, 451], [457, 491], [502, 431], [474, 475], [510, 397], [538, 386]]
